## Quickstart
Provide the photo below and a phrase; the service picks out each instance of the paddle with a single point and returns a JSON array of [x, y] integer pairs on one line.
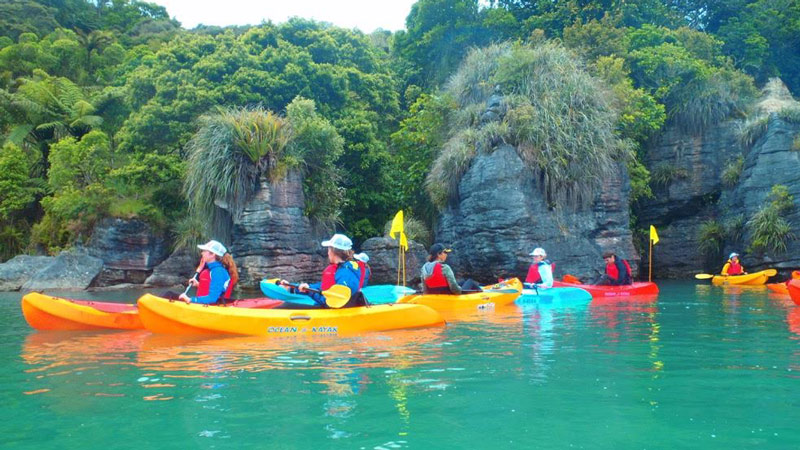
[[705, 276], [335, 297]]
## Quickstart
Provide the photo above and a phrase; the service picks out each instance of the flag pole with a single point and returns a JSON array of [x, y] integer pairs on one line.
[[650, 265]]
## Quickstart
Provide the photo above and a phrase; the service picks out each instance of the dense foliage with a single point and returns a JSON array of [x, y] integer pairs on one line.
[[100, 99]]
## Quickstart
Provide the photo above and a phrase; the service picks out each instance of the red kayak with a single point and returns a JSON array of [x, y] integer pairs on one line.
[[794, 291], [636, 289]]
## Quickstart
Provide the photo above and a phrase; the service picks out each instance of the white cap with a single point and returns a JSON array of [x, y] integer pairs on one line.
[[538, 251], [339, 241], [732, 255], [363, 257], [214, 247]]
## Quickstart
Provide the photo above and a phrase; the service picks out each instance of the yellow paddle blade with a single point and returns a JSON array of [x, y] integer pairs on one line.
[[337, 296], [770, 272], [704, 276], [274, 280]]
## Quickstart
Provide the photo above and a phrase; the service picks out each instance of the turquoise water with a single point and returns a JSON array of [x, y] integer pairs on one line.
[[701, 367]]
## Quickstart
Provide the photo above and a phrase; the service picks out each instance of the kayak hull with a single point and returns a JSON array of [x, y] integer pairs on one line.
[[555, 297], [794, 291], [749, 279], [643, 288], [500, 294], [778, 288], [163, 316], [45, 312]]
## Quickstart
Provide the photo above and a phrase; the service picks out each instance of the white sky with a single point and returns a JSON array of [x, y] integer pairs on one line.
[[366, 15]]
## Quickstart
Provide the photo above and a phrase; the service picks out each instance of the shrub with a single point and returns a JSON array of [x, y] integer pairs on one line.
[[555, 114], [752, 130], [732, 172], [711, 235], [769, 227], [415, 230], [664, 174]]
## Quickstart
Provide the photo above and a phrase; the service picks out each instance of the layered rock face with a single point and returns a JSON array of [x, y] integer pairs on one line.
[[273, 238], [129, 249], [501, 216], [384, 258], [697, 193]]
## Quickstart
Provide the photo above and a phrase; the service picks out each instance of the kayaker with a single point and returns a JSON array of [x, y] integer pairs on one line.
[[540, 273], [220, 285], [733, 266], [365, 272], [438, 278], [202, 277], [618, 271], [340, 270]]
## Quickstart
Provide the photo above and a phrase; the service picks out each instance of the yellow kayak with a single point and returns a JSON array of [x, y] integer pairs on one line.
[[495, 295], [172, 317], [751, 279], [45, 312]]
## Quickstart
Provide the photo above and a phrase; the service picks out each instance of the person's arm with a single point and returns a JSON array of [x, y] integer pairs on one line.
[[546, 272], [451, 279], [219, 284], [725, 268]]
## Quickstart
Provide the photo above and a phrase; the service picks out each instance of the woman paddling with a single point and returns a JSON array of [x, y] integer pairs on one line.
[[341, 270], [217, 266]]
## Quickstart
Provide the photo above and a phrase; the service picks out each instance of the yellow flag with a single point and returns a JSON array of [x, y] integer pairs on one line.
[[397, 224], [403, 241], [653, 235]]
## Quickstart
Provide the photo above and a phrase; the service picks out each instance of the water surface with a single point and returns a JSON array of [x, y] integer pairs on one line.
[[700, 367]]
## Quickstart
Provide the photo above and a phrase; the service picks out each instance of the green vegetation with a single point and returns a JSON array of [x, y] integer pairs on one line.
[[769, 228], [664, 174], [551, 114], [733, 171], [710, 236], [103, 104]]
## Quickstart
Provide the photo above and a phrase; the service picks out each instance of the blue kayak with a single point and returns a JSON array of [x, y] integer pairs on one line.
[[556, 296], [380, 294], [277, 292]]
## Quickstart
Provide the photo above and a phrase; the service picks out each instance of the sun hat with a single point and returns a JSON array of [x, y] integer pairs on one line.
[[363, 257], [732, 255], [338, 241], [439, 248], [538, 251], [214, 247]]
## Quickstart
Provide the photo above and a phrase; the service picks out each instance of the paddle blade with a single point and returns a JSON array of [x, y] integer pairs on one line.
[[274, 280], [570, 279], [337, 296], [704, 276]]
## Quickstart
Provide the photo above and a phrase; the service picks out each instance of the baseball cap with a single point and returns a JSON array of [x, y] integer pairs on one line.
[[339, 241], [538, 251], [363, 257], [214, 247]]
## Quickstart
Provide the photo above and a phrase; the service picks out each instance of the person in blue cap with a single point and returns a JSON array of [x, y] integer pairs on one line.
[[733, 266]]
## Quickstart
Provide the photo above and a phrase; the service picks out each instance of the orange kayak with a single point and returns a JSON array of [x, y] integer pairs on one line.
[[778, 288], [160, 315], [794, 291], [642, 288], [45, 312]]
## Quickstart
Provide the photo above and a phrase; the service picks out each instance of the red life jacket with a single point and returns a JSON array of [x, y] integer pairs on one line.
[[328, 277], [204, 280], [735, 268], [533, 272], [437, 280], [611, 271], [228, 291], [362, 270]]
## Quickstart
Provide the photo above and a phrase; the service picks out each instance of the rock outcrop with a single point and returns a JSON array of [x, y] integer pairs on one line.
[[18, 270], [383, 260], [72, 269], [130, 250], [273, 238], [176, 269], [501, 217]]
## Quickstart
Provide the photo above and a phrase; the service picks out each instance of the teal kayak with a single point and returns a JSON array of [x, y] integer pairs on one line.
[[555, 296], [380, 294], [277, 292]]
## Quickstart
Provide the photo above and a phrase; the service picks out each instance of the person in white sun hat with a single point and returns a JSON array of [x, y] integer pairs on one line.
[[362, 259], [540, 273], [216, 275], [342, 270]]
